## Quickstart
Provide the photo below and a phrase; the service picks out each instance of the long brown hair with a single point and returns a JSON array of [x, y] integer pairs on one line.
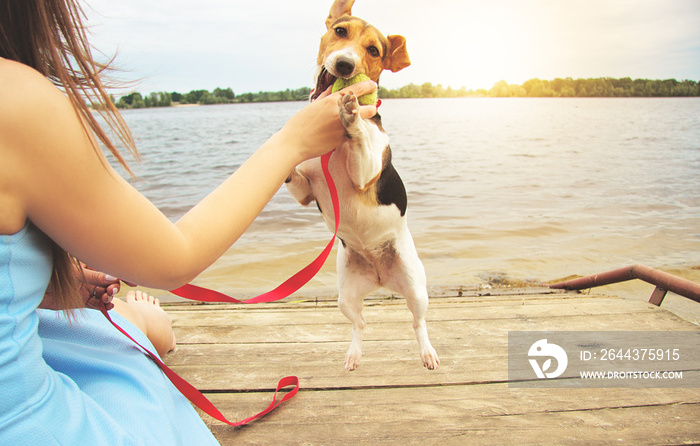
[[49, 36]]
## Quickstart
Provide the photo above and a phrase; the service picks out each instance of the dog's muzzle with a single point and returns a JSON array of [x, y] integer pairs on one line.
[[344, 66]]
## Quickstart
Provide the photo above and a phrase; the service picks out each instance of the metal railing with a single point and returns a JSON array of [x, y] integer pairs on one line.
[[664, 282]]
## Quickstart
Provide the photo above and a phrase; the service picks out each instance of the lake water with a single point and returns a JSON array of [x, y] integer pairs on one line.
[[507, 190]]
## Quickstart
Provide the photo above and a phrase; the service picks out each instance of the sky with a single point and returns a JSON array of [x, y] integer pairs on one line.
[[270, 45]]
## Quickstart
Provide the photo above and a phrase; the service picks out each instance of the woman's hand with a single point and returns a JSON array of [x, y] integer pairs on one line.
[[97, 289], [317, 129]]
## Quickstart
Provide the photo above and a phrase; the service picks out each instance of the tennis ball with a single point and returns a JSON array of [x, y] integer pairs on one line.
[[340, 83]]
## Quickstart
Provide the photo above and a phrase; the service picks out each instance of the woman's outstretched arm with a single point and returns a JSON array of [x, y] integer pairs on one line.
[[51, 175]]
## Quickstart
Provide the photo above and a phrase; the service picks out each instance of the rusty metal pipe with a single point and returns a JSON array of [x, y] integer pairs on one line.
[[665, 281]]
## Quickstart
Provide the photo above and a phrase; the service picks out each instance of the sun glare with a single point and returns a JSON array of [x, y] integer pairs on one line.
[[501, 48], [476, 51]]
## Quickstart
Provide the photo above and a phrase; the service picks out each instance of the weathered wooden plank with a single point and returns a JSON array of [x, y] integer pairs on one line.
[[330, 301], [374, 372], [576, 317], [330, 373], [463, 310], [477, 414], [329, 294]]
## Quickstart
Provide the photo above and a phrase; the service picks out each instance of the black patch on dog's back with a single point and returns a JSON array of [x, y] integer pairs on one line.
[[390, 188]]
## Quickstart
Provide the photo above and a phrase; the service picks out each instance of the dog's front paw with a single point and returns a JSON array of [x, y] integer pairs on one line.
[[430, 358], [349, 109]]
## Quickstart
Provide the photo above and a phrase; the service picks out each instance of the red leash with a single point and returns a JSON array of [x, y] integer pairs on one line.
[[288, 287], [199, 400]]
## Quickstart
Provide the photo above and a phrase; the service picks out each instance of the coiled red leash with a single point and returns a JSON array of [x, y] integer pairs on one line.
[[288, 287], [198, 399]]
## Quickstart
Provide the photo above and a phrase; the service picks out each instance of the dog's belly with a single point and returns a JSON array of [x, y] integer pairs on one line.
[[370, 229], [378, 261], [365, 224]]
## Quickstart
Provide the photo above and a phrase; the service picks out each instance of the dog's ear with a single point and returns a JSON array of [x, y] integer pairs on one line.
[[397, 55], [339, 9]]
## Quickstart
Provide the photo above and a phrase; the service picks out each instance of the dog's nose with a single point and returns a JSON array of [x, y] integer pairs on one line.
[[344, 66]]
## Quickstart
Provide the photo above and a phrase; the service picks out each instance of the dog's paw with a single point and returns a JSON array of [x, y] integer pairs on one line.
[[430, 358], [352, 358], [349, 109]]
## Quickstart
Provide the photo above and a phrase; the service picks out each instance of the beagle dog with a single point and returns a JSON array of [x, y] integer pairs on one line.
[[376, 248]]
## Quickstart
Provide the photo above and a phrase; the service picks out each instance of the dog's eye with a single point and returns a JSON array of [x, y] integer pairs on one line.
[[373, 51], [341, 32]]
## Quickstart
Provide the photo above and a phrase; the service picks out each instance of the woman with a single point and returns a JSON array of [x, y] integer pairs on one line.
[[58, 195]]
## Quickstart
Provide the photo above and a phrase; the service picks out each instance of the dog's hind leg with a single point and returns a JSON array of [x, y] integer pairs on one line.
[[417, 301], [356, 279], [407, 277]]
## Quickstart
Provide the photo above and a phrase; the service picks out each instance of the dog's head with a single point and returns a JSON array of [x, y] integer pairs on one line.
[[352, 46]]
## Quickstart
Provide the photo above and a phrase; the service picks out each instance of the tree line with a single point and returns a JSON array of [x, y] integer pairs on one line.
[[204, 97], [568, 87]]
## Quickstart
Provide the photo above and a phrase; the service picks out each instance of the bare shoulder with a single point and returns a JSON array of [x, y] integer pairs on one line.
[[25, 94], [34, 113], [17, 81]]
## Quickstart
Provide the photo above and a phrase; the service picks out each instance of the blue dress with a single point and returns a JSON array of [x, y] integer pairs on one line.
[[77, 382]]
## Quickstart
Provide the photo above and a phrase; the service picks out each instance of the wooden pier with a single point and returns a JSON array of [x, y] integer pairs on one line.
[[235, 354]]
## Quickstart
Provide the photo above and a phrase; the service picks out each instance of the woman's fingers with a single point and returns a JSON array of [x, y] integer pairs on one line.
[[360, 88], [317, 128], [98, 288]]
